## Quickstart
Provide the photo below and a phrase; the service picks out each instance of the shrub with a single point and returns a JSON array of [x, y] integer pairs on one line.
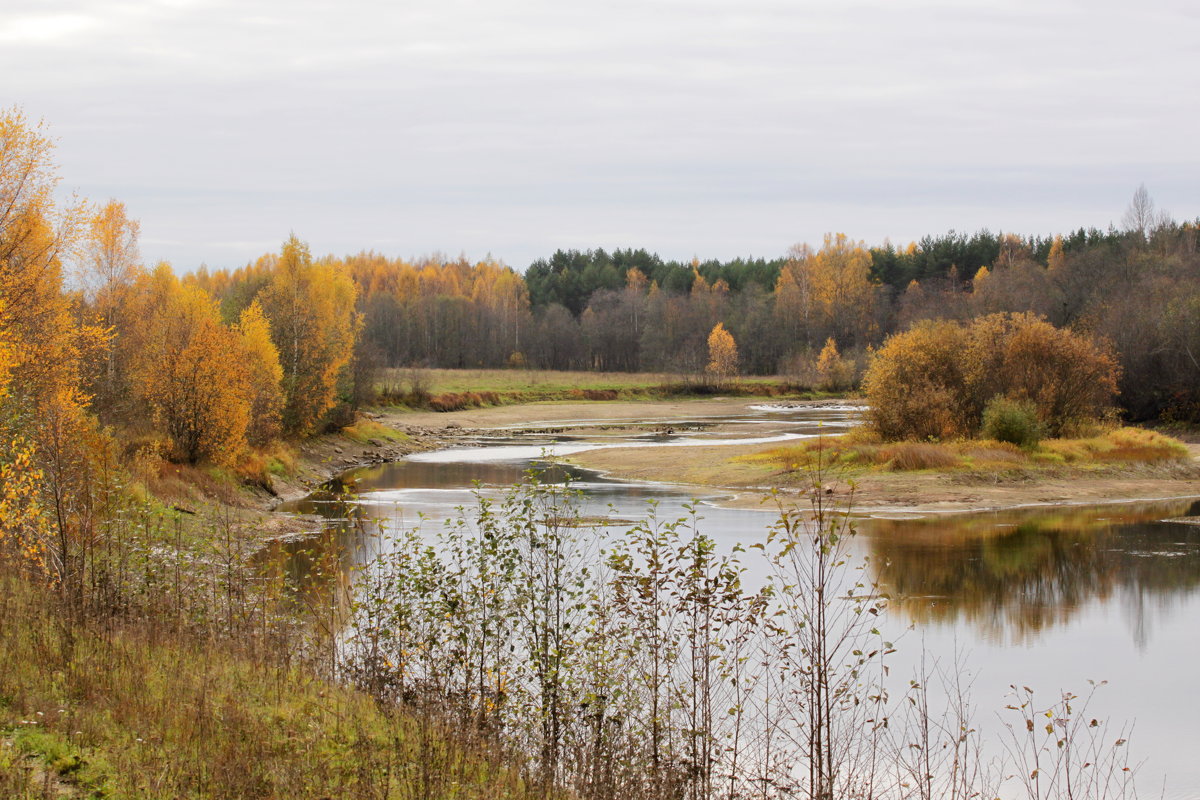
[[1013, 421], [935, 380], [916, 387], [1066, 376]]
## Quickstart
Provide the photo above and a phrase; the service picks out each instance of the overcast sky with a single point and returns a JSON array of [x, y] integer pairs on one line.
[[515, 127]]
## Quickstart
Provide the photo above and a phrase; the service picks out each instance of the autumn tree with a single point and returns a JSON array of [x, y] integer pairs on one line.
[[722, 355], [1065, 376], [264, 375], [111, 263], [833, 371], [192, 374], [1056, 257], [311, 310], [832, 289], [793, 296], [915, 384], [1016, 285], [43, 345], [46, 341]]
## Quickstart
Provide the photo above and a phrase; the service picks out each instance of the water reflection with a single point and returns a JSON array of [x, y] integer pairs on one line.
[[1014, 575]]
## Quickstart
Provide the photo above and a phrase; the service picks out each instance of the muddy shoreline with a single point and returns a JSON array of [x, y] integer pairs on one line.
[[715, 468]]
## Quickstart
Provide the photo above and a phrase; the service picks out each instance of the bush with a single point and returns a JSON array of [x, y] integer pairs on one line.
[[916, 387], [935, 380], [1012, 421]]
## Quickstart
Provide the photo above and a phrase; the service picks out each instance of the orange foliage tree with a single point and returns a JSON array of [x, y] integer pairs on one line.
[[1067, 377], [111, 264], [833, 371], [722, 354], [264, 375], [828, 290], [190, 373], [42, 348], [915, 384]]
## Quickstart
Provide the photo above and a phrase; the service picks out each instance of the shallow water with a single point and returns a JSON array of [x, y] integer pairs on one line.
[[1048, 598]]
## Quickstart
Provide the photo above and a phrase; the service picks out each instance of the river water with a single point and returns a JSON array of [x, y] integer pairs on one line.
[[1047, 598]]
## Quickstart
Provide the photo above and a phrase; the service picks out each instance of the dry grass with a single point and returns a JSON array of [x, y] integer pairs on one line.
[[862, 450], [1131, 445], [909, 456]]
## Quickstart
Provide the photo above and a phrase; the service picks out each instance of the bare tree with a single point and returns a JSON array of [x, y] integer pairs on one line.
[[1142, 216]]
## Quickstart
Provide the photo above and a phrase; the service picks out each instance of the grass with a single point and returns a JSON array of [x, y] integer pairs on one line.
[[861, 450], [455, 389], [137, 711], [366, 431]]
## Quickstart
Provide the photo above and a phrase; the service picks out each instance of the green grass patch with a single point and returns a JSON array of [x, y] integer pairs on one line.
[[136, 710], [457, 389]]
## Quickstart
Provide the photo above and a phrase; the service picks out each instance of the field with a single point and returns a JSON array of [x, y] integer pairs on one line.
[[457, 389]]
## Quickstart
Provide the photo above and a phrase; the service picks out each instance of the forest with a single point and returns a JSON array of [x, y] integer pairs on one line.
[[1137, 288]]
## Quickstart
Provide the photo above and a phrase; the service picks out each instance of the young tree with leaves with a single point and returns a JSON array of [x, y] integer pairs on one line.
[[722, 355]]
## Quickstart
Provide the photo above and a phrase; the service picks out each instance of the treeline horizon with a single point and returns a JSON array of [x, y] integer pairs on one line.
[[1135, 289]]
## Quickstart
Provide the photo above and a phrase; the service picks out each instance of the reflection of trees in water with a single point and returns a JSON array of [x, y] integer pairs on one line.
[[319, 568], [1014, 576]]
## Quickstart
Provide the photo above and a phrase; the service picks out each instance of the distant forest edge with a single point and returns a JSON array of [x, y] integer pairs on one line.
[[1137, 289]]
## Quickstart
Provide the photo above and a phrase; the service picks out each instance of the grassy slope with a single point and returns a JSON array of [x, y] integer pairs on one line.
[[139, 711]]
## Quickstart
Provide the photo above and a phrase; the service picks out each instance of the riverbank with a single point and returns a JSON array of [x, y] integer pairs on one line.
[[732, 467], [917, 492]]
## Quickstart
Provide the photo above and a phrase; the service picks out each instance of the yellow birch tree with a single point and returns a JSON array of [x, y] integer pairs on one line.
[[310, 308], [722, 354]]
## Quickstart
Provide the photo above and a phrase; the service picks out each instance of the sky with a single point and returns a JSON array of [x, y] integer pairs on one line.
[[691, 128]]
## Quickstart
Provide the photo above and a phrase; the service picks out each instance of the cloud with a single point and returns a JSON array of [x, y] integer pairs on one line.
[[45, 29], [512, 126]]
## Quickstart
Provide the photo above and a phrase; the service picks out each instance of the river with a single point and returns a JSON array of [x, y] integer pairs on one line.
[[1048, 598]]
